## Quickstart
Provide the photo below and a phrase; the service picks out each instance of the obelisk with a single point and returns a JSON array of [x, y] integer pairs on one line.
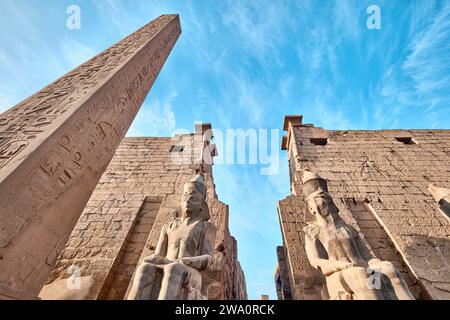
[[55, 145]]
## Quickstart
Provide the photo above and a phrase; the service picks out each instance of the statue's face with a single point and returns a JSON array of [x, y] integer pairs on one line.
[[191, 200], [322, 204]]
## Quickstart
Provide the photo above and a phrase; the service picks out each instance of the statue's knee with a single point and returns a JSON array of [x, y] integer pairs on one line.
[[378, 264], [360, 272], [358, 277], [176, 268], [385, 267], [388, 267]]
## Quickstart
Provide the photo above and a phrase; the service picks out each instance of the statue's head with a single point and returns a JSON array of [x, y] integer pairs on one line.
[[193, 199], [312, 182], [315, 190], [321, 203]]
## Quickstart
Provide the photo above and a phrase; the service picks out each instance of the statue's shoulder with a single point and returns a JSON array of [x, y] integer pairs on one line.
[[312, 231], [208, 224]]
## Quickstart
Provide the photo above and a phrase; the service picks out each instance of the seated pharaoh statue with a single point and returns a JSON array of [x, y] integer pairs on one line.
[[185, 248], [335, 248]]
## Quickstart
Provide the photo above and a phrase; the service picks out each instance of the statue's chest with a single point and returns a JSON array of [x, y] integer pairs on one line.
[[185, 237], [332, 237]]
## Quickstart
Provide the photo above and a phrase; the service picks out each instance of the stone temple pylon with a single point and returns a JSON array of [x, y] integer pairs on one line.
[[55, 145]]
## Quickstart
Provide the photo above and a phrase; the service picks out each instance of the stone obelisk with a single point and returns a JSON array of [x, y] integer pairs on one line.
[[55, 145]]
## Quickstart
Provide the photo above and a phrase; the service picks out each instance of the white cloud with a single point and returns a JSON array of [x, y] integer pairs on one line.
[[155, 118], [331, 116], [319, 39], [422, 82], [429, 62], [116, 14], [250, 99], [75, 53], [259, 28], [346, 22]]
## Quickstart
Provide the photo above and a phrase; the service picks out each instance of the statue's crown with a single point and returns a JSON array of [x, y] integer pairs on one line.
[[308, 176]]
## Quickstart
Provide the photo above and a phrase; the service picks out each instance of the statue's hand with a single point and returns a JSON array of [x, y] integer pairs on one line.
[[199, 263], [185, 261], [347, 265], [154, 259]]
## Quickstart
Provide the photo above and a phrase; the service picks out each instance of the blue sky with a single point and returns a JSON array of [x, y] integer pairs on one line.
[[245, 64]]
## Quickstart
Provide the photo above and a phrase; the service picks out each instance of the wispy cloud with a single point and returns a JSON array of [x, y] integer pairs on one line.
[[155, 118], [258, 25], [116, 13], [421, 82], [75, 53], [346, 22], [429, 62], [28, 60]]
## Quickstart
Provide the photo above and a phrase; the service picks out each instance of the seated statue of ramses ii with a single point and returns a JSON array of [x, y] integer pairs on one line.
[[335, 248], [185, 248]]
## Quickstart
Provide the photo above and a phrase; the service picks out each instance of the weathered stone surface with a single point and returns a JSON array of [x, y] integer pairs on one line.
[[55, 145], [282, 281], [144, 176], [379, 181]]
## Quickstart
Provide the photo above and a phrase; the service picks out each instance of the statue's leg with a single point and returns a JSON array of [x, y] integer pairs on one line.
[[143, 282], [195, 285], [357, 281], [399, 285], [176, 275], [336, 288]]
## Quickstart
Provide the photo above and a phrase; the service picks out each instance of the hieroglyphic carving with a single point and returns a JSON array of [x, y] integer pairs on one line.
[[31, 118]]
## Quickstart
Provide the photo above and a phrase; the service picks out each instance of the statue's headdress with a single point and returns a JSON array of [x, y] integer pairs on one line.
[[308, 176], [438, 193], [312, 182], [199, 182]]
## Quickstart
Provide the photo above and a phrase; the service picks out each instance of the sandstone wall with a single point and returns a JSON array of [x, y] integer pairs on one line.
[[282, 280]]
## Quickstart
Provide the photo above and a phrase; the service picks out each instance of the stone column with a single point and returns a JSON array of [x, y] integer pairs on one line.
[[55, 145]]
